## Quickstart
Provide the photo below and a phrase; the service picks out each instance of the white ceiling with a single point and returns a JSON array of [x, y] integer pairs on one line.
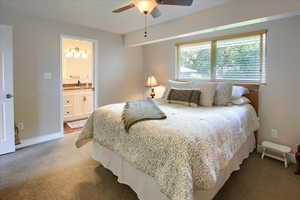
[[97, 13]]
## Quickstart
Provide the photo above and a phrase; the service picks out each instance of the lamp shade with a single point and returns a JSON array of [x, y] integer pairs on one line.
[[151, 82], [145, 5]]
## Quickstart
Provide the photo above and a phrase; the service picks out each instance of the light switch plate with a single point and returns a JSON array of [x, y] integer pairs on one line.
[[47, 75]]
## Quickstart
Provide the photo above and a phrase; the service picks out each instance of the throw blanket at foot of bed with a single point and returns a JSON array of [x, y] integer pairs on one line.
[[140, 110]]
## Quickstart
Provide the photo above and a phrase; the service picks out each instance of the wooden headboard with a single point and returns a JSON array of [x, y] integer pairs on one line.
[[253, 95]]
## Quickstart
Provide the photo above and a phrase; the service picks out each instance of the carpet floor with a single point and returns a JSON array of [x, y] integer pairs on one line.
[[57, 170]]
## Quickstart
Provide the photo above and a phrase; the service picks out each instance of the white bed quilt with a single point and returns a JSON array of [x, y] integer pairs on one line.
[[186, 150]]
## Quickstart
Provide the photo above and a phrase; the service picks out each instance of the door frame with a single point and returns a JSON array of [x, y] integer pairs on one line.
[[95, 74]]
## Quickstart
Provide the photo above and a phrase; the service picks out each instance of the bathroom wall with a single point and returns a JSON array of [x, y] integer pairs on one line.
[[75, 69]]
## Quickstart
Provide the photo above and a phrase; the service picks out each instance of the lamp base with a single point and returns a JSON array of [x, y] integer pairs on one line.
[[152, 94]]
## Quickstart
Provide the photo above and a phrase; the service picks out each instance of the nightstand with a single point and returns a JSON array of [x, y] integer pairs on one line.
[[297, 155]]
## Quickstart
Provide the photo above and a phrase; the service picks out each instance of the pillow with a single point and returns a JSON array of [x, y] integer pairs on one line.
[[223, 94], [239, 91], [240, 101], [207, 92], [175, 84], [184, 96]]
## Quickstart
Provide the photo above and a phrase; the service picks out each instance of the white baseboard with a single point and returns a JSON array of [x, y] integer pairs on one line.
[[291, 156], [39, 139]]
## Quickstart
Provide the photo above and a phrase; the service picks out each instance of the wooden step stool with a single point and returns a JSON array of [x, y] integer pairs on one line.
[[284, 150]]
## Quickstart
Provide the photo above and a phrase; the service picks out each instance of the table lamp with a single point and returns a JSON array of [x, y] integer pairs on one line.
[[151, 82]]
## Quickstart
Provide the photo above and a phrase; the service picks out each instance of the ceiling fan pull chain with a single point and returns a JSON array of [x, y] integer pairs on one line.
[[145, 34]]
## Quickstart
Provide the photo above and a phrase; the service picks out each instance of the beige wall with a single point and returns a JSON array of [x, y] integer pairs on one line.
[[36, 51], [233, 12], [279, 99]]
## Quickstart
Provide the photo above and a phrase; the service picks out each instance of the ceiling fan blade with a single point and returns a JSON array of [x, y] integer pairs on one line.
[[124, 8], [155, 12], [175, 2]]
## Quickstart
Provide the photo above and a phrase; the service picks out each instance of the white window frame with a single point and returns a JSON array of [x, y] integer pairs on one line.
[[261, 33]]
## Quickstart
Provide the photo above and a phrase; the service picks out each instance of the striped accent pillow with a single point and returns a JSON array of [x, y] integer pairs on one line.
[[184, 96]]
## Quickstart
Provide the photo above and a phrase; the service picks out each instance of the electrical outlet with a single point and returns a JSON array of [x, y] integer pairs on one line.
[[47, 76], [274, 133], [20, 126]]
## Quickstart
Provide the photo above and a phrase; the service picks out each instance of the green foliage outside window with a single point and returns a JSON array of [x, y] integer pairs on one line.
[[236, 59]]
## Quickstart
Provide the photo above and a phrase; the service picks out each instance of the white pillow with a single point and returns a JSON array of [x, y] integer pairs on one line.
[[175, 84], [207, 92], [239, 91], [240, 101], [223, 94]]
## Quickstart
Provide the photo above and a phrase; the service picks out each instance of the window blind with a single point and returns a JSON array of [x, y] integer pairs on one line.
[[239, 59], [194, 61]]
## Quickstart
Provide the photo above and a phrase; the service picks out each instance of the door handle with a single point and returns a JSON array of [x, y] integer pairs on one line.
[[9, 96]]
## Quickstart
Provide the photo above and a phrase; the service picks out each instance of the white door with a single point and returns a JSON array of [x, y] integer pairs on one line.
[[7, 137]]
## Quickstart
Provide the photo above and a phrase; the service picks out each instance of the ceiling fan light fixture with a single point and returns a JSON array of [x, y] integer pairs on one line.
[[145, 6]]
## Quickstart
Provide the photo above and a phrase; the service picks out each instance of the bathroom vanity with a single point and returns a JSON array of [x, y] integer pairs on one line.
[[78, 103]]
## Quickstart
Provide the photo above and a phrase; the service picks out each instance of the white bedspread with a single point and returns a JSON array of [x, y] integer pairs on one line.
[[186, 150]]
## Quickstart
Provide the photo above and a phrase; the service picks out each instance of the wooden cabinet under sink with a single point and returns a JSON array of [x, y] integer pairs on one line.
[[78, 104]]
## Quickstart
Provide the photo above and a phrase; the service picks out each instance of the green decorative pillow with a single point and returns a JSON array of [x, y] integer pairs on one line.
[[184, 96]]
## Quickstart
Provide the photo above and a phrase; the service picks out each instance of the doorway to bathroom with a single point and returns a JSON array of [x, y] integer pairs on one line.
[[78, 63]]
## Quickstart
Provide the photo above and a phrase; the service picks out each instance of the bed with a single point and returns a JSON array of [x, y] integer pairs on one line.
[[188, 156]]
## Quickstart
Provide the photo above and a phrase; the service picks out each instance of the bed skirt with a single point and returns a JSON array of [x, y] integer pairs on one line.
[[146, 187]]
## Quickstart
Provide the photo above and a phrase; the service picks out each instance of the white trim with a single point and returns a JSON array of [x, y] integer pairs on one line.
[[61, 97], [95, 72], [39, 139]]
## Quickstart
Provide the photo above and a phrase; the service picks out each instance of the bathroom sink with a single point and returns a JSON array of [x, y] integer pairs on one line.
[[76, 88]]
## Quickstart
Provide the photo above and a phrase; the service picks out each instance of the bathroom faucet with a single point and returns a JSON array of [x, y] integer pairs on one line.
[[78, 83]]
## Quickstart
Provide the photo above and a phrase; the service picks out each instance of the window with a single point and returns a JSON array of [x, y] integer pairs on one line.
[[235, 58], [195, 60]]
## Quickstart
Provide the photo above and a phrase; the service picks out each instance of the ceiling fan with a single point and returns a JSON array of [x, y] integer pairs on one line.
[[151, 6]]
